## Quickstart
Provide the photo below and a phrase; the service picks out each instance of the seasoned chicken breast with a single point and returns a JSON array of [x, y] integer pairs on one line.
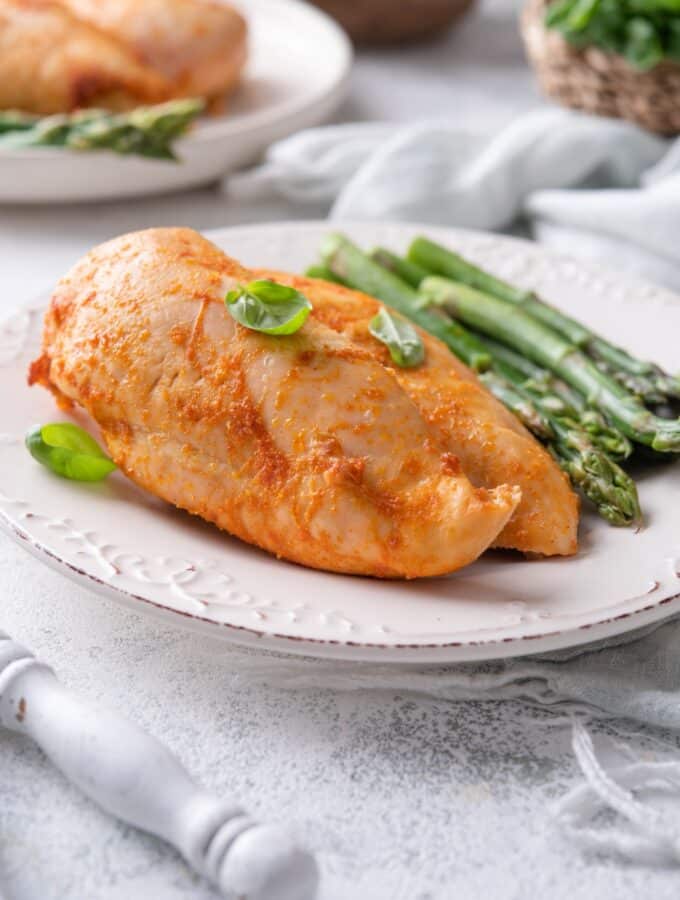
[[493, 446], [199, 46], [306, 445], [51, 62]]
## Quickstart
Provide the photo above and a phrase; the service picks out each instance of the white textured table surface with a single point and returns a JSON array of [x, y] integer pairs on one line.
[[402, 798]]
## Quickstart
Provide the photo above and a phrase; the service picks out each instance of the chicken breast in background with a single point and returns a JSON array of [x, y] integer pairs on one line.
[[50, 62], [199, 46], [306, 445], [492, 445]]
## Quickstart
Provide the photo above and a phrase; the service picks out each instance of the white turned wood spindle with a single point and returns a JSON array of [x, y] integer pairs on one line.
[[134, 777]]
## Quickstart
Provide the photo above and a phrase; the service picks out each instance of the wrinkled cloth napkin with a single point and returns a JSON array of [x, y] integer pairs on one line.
[[633, 679], [585, 185], [589, 186]]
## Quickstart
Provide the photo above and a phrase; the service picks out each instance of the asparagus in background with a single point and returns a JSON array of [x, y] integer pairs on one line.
[[647, 380], [15, 120], [147, 131]]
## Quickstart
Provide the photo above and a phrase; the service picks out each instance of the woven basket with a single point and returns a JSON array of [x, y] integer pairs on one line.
[[387, 22], [599, 82]]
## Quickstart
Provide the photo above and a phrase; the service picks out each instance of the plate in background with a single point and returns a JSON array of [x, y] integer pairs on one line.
[[126, 544], [296, 76]]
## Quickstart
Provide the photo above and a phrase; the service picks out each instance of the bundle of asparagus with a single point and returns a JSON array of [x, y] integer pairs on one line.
[[146, 131], [589, 401]]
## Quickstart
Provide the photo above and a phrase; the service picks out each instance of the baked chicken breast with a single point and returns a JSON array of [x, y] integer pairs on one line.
[[307, 445], [492, 445], [51, 62], [199, 46]]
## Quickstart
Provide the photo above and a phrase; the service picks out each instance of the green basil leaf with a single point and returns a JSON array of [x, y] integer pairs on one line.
[[400, 338], [268, 307], [67, 450]]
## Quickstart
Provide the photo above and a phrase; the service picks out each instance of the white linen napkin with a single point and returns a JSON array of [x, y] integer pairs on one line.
[[599, 187], [631, 679], [634, 676]]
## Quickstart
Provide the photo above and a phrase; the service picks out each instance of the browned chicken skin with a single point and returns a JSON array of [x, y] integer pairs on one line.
[[493, 446], [51, 62], [306, 445]]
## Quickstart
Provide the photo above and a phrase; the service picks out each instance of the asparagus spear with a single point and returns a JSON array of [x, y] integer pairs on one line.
[[589, 465], [643, 387], [408, 271], [653, 387], [526, 367], [604, 435], [512, 325], [560, 399], [347, 262], [589, 468], [440, 261], [324, 273], [146, 131], [517, 403], [602, 481]]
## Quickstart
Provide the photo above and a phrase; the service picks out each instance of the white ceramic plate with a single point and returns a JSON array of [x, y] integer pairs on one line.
[[296, 76], [126, 544]]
